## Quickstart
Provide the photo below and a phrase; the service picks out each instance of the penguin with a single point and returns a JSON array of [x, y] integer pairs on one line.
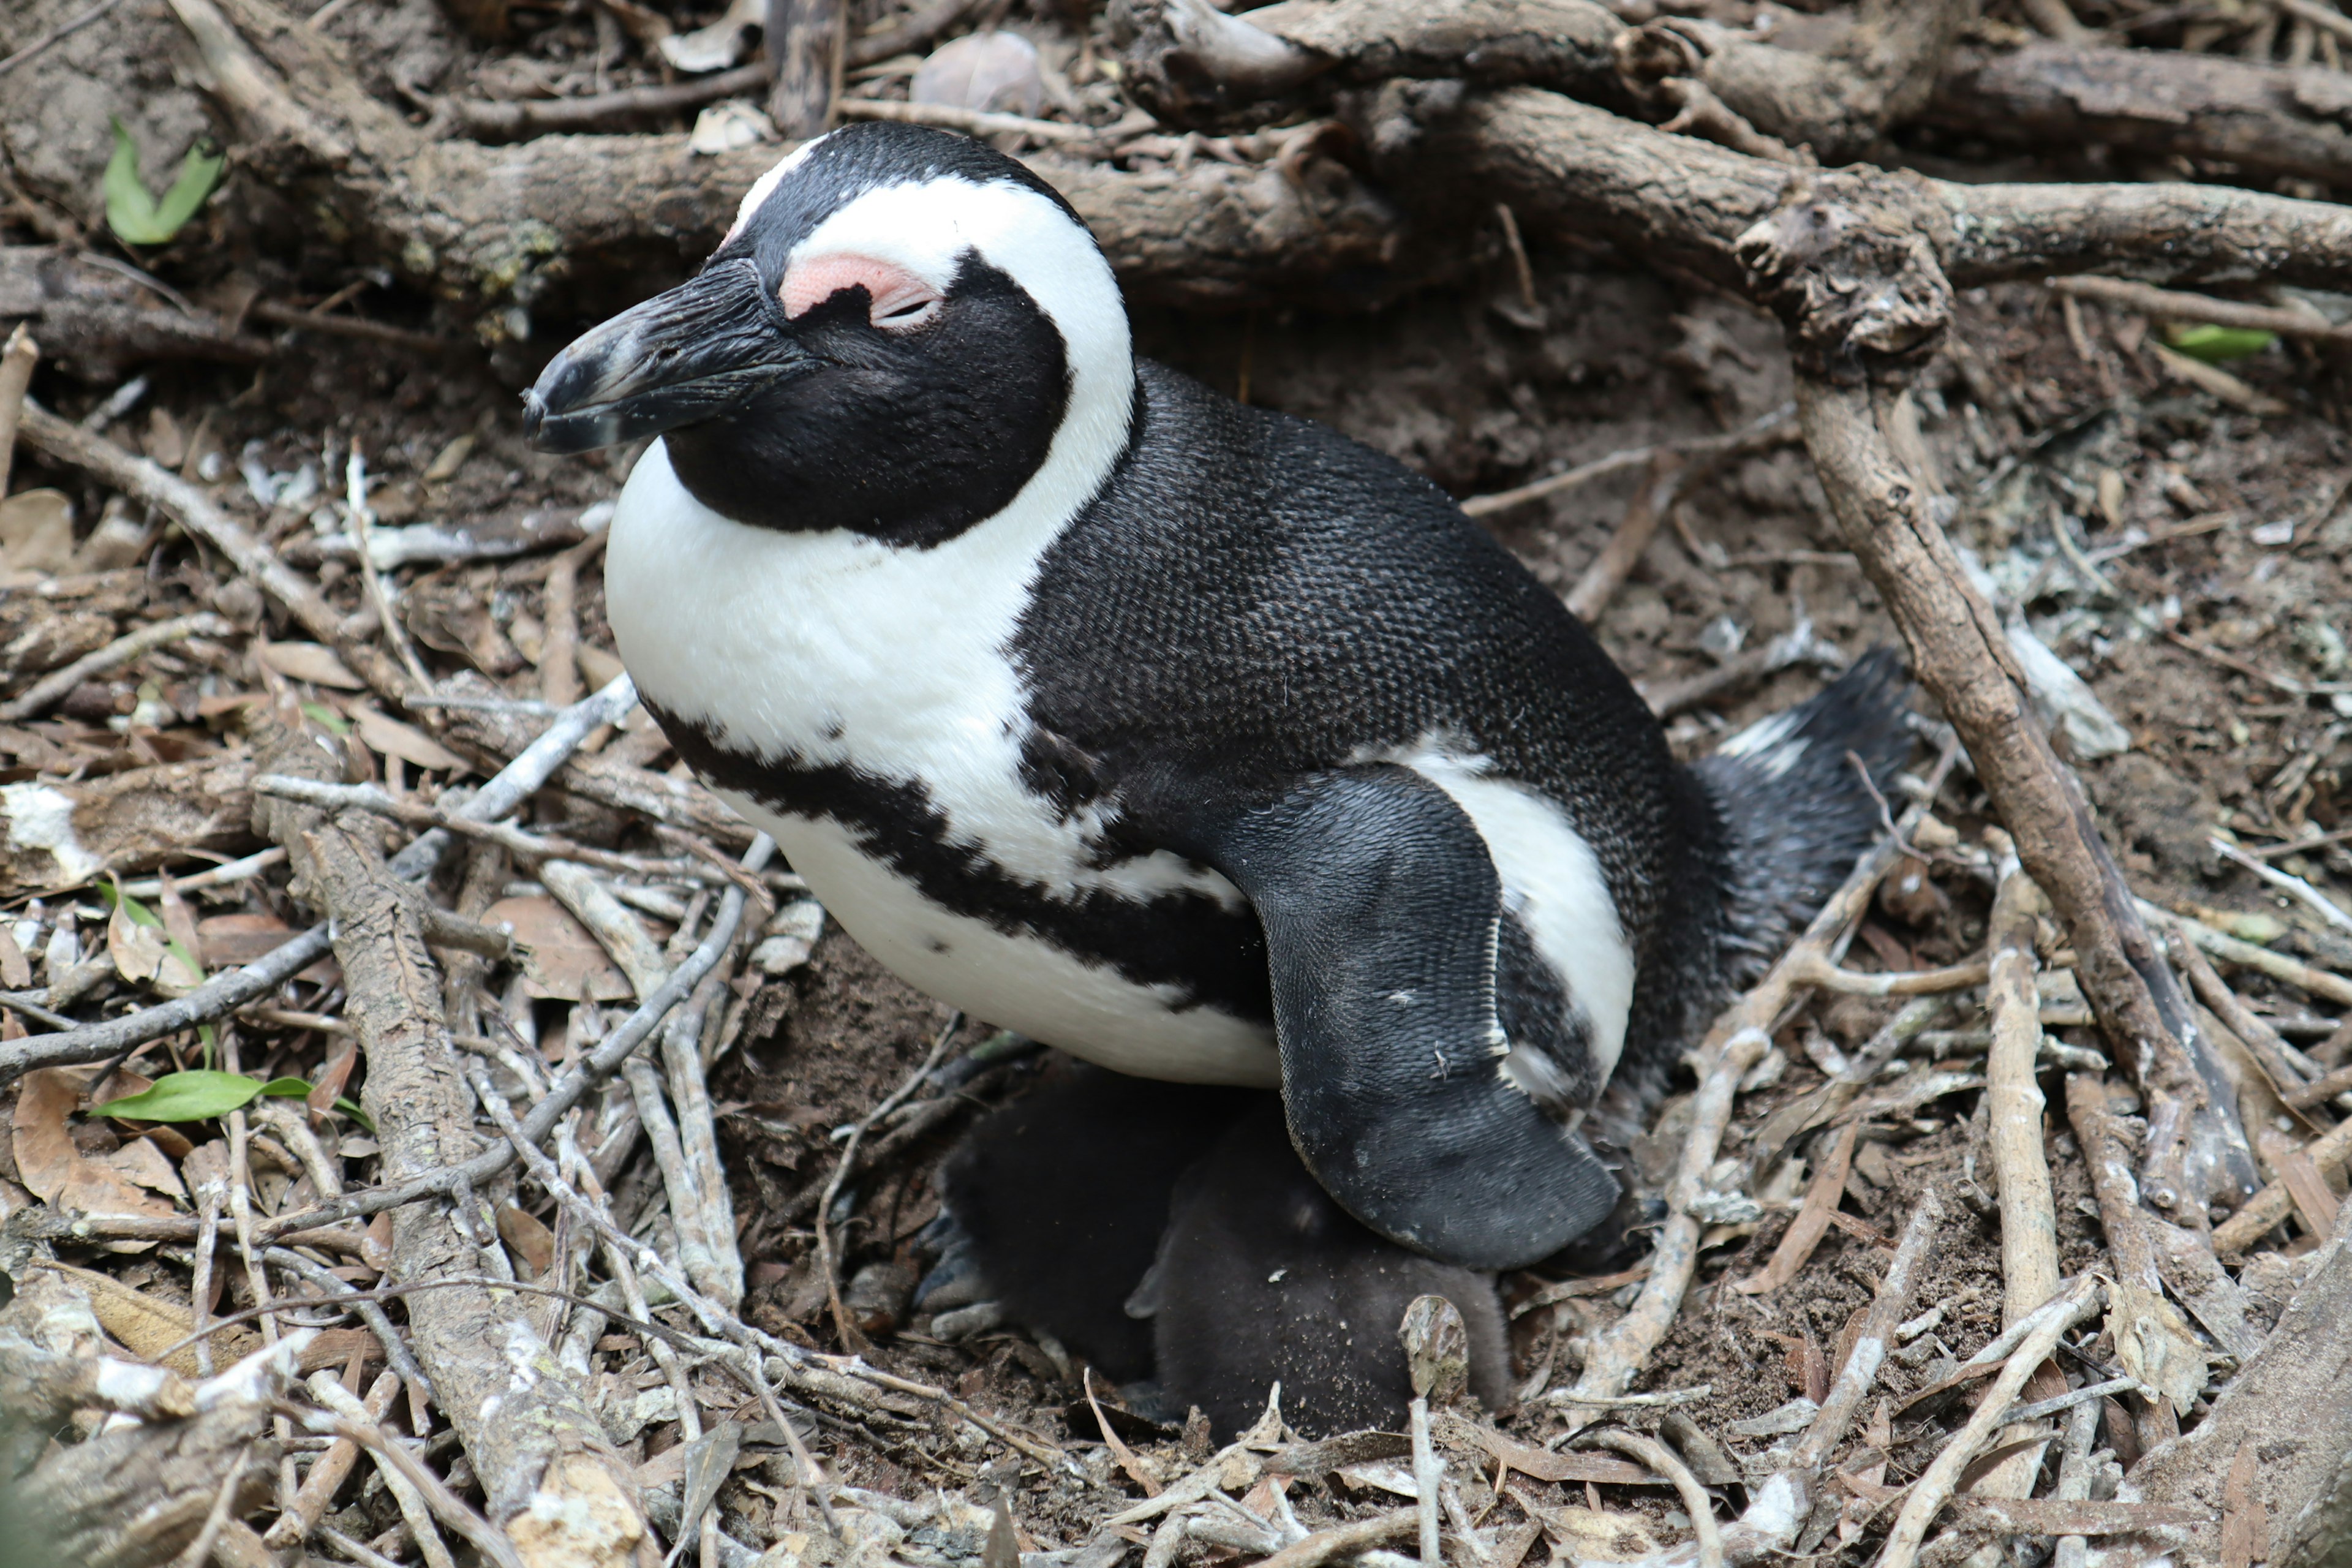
[[1169, 1237], [1193, 738]]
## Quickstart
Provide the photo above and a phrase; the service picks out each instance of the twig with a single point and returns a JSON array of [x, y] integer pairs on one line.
[[1934, 1488], [2272, 1205], [1818, 972], [21, 352], [55, 35], [2029, 1225], [2029, 1218], [404, 1491], [2247, 955], [395, 1347], [2319, 903], [1771, 429], [1664, 1461], [986, 123], [1347, 1540], [1799, 644], [848, 1331], [2104, 1152], [2168, 302], [1660, 491], [1812, 1221], [1659, 1400], [328, 1471], [446, 1507], [224, 992], [194, 511], [1736, 1043], [519, 842], [53, 687], [1851, 1384], [362, 516], [565, 1094], [225, 875]]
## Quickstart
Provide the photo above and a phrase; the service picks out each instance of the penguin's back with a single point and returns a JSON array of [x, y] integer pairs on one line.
[[1254, 597]]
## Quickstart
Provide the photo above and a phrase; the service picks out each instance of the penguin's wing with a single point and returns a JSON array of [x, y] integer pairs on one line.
[[1381, 912]]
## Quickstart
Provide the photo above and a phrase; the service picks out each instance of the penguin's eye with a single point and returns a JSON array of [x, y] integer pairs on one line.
[[898, 301]]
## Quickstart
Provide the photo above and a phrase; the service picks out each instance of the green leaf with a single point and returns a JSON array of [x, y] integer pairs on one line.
[[320, 713], [189, 1097], [2215, 345], [287, 1088], [137, 217], [351, 1107]]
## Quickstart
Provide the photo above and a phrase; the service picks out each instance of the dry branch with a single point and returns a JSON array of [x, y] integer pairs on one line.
[[2266, 119], [498, 226], [552, 1481]]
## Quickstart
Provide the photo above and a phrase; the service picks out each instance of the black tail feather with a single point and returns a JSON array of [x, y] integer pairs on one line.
[[1795, 806]]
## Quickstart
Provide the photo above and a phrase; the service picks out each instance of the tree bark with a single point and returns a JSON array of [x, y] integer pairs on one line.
[[2265, 119]]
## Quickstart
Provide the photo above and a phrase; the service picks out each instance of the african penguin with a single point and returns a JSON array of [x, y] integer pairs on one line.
[[1192, 738]]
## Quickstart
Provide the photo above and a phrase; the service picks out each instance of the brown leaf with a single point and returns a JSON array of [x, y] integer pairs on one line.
[[2313, 1200], [137, 950], [529, 1239], [309, 661], [48, 1163], [561, 960], [1812, 1221], [146, 1324], [180, 921], [230, 940], [1541, 1464], [37, 532], [389, 737], [330, 1081], [15, 974]]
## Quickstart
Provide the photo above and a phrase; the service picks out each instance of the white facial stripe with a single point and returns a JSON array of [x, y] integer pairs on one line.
[[765, 186], [1552, 881]]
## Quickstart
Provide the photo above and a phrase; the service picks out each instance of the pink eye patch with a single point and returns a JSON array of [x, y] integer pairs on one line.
[[901, 300]]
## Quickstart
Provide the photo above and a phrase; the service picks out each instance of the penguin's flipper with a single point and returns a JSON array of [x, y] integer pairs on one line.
[[1382, 914]]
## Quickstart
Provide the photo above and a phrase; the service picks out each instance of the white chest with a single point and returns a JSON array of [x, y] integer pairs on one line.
[[833, 650]]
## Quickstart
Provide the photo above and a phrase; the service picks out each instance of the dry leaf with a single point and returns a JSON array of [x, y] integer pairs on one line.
[[37, 532], [2153, 1345], [310, 661], [53, 1168], [142, 1162], [137, 950], [531, 1242], [561, 960], [391, 738], [233, 940], [146, 1325], [15, 974], [1593, 1535]]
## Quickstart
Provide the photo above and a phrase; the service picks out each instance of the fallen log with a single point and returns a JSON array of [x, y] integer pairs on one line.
[[510, 229], [2211, 109]]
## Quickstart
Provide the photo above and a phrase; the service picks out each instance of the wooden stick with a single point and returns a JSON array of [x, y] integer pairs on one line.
[[2029, 1225], [1661, 489], [1934, 1488], [1669, 1463], [56, 685], [192, 510], [2150, 300], [2247, 955], [1736, 1043], [2270, 1206], [16, 363]]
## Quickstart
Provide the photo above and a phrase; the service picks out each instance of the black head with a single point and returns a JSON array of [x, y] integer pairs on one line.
[[903, 332]]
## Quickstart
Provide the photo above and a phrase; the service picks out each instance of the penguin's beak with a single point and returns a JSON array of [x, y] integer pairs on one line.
[[707, 346]]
